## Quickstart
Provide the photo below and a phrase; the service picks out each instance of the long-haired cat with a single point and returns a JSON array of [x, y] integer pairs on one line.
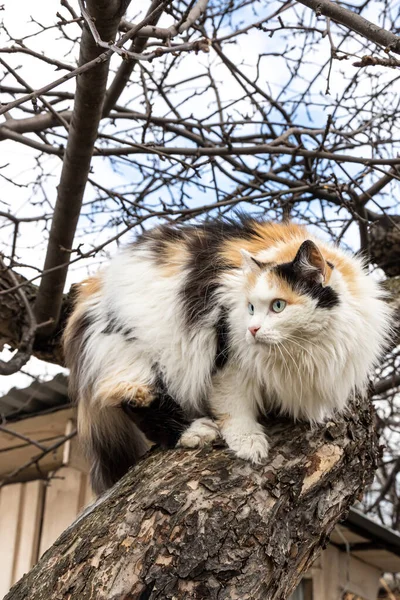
[[195, 331]]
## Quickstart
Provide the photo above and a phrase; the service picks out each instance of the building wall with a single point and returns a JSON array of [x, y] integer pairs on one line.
[[33, 515]]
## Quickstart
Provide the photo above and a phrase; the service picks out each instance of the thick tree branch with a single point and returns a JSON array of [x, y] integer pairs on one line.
[[378, 186], [89, 98], [12, 318], [223, 151], [356, 23], [387, 384], [203, 524]]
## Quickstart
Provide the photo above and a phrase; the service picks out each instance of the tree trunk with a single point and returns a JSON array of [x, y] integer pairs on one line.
[[205, 525]]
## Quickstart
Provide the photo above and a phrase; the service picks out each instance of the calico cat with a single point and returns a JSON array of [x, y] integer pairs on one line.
[[196, 330]]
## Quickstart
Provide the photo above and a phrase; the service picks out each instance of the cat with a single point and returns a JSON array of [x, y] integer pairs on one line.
[[194, 331]]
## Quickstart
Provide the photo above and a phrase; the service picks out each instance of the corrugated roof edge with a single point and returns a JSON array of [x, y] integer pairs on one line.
[[382, 536], [38, 398]]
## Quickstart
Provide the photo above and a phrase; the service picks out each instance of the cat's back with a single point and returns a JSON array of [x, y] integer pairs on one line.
[[173, 272], [187, 261]]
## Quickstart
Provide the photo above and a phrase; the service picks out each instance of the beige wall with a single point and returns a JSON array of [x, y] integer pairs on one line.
[[336, 572], [33, 515]]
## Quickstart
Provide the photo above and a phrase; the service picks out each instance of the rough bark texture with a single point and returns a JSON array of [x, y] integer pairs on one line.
[[12, 318], [384, 244], [204, 525]]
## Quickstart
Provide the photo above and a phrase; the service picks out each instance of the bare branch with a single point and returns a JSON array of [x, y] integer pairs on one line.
[[355, 22]]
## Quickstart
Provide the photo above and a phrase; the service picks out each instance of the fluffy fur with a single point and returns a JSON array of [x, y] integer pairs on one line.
[[163, 339]]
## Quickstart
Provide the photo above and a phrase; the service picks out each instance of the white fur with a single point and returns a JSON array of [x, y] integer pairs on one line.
[[307, 362], [199, 433]]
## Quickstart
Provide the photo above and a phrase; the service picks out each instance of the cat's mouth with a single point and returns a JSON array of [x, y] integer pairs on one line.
[[265, 340]]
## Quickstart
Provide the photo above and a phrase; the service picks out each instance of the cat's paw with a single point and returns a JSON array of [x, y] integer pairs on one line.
[[251, 445], [201, 432]]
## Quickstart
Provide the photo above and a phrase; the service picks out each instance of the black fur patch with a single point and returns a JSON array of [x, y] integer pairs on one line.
[[326, 296], [82, 325], [77, 342], [163, 421], [222, 350], [115, 326], [160, 238], [112, 456], [203, 243], [112, 325], [206, 264], [112, 462]]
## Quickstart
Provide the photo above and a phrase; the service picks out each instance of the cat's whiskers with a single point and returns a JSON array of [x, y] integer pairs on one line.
[[273, 347], [284, 360], [298, 370], [308, 341], [297, 340], [293, 340]]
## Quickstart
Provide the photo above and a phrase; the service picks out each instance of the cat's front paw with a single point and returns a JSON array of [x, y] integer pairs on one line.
[[201, 432], [251, 445]]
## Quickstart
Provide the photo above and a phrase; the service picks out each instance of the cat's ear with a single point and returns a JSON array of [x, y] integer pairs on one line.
[[310, 262], [249, 263]]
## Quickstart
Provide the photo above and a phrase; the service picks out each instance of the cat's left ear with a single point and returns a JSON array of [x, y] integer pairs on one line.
[[310, 262], [249, 263]]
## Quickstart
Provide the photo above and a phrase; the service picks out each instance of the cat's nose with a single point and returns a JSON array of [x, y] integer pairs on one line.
[[253, 330]]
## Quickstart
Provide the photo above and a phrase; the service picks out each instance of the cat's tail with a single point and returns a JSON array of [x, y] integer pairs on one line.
[[111, 442], [110, 439]]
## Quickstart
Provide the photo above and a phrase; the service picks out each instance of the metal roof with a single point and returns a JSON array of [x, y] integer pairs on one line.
[[369, 541], [38, 398]]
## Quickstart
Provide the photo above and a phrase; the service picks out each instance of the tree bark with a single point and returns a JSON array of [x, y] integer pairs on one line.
[[354, 22], [384, 244], [12, 319], [205, 525]]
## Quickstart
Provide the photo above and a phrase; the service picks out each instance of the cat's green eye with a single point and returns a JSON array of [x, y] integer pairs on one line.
[[278, 305], [251, 308]]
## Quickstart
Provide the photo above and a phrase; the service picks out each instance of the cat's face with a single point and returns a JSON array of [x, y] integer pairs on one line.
[[276, 314], [286, 301]]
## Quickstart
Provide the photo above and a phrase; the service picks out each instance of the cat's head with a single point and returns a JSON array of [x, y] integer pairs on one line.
[[287, 299]]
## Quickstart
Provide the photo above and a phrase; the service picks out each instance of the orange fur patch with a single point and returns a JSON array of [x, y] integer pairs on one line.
[[266, 235], [112, 393], [344, 266], [287, 253], [89, 287], [174, 258], [287, 237], [251, 280]]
